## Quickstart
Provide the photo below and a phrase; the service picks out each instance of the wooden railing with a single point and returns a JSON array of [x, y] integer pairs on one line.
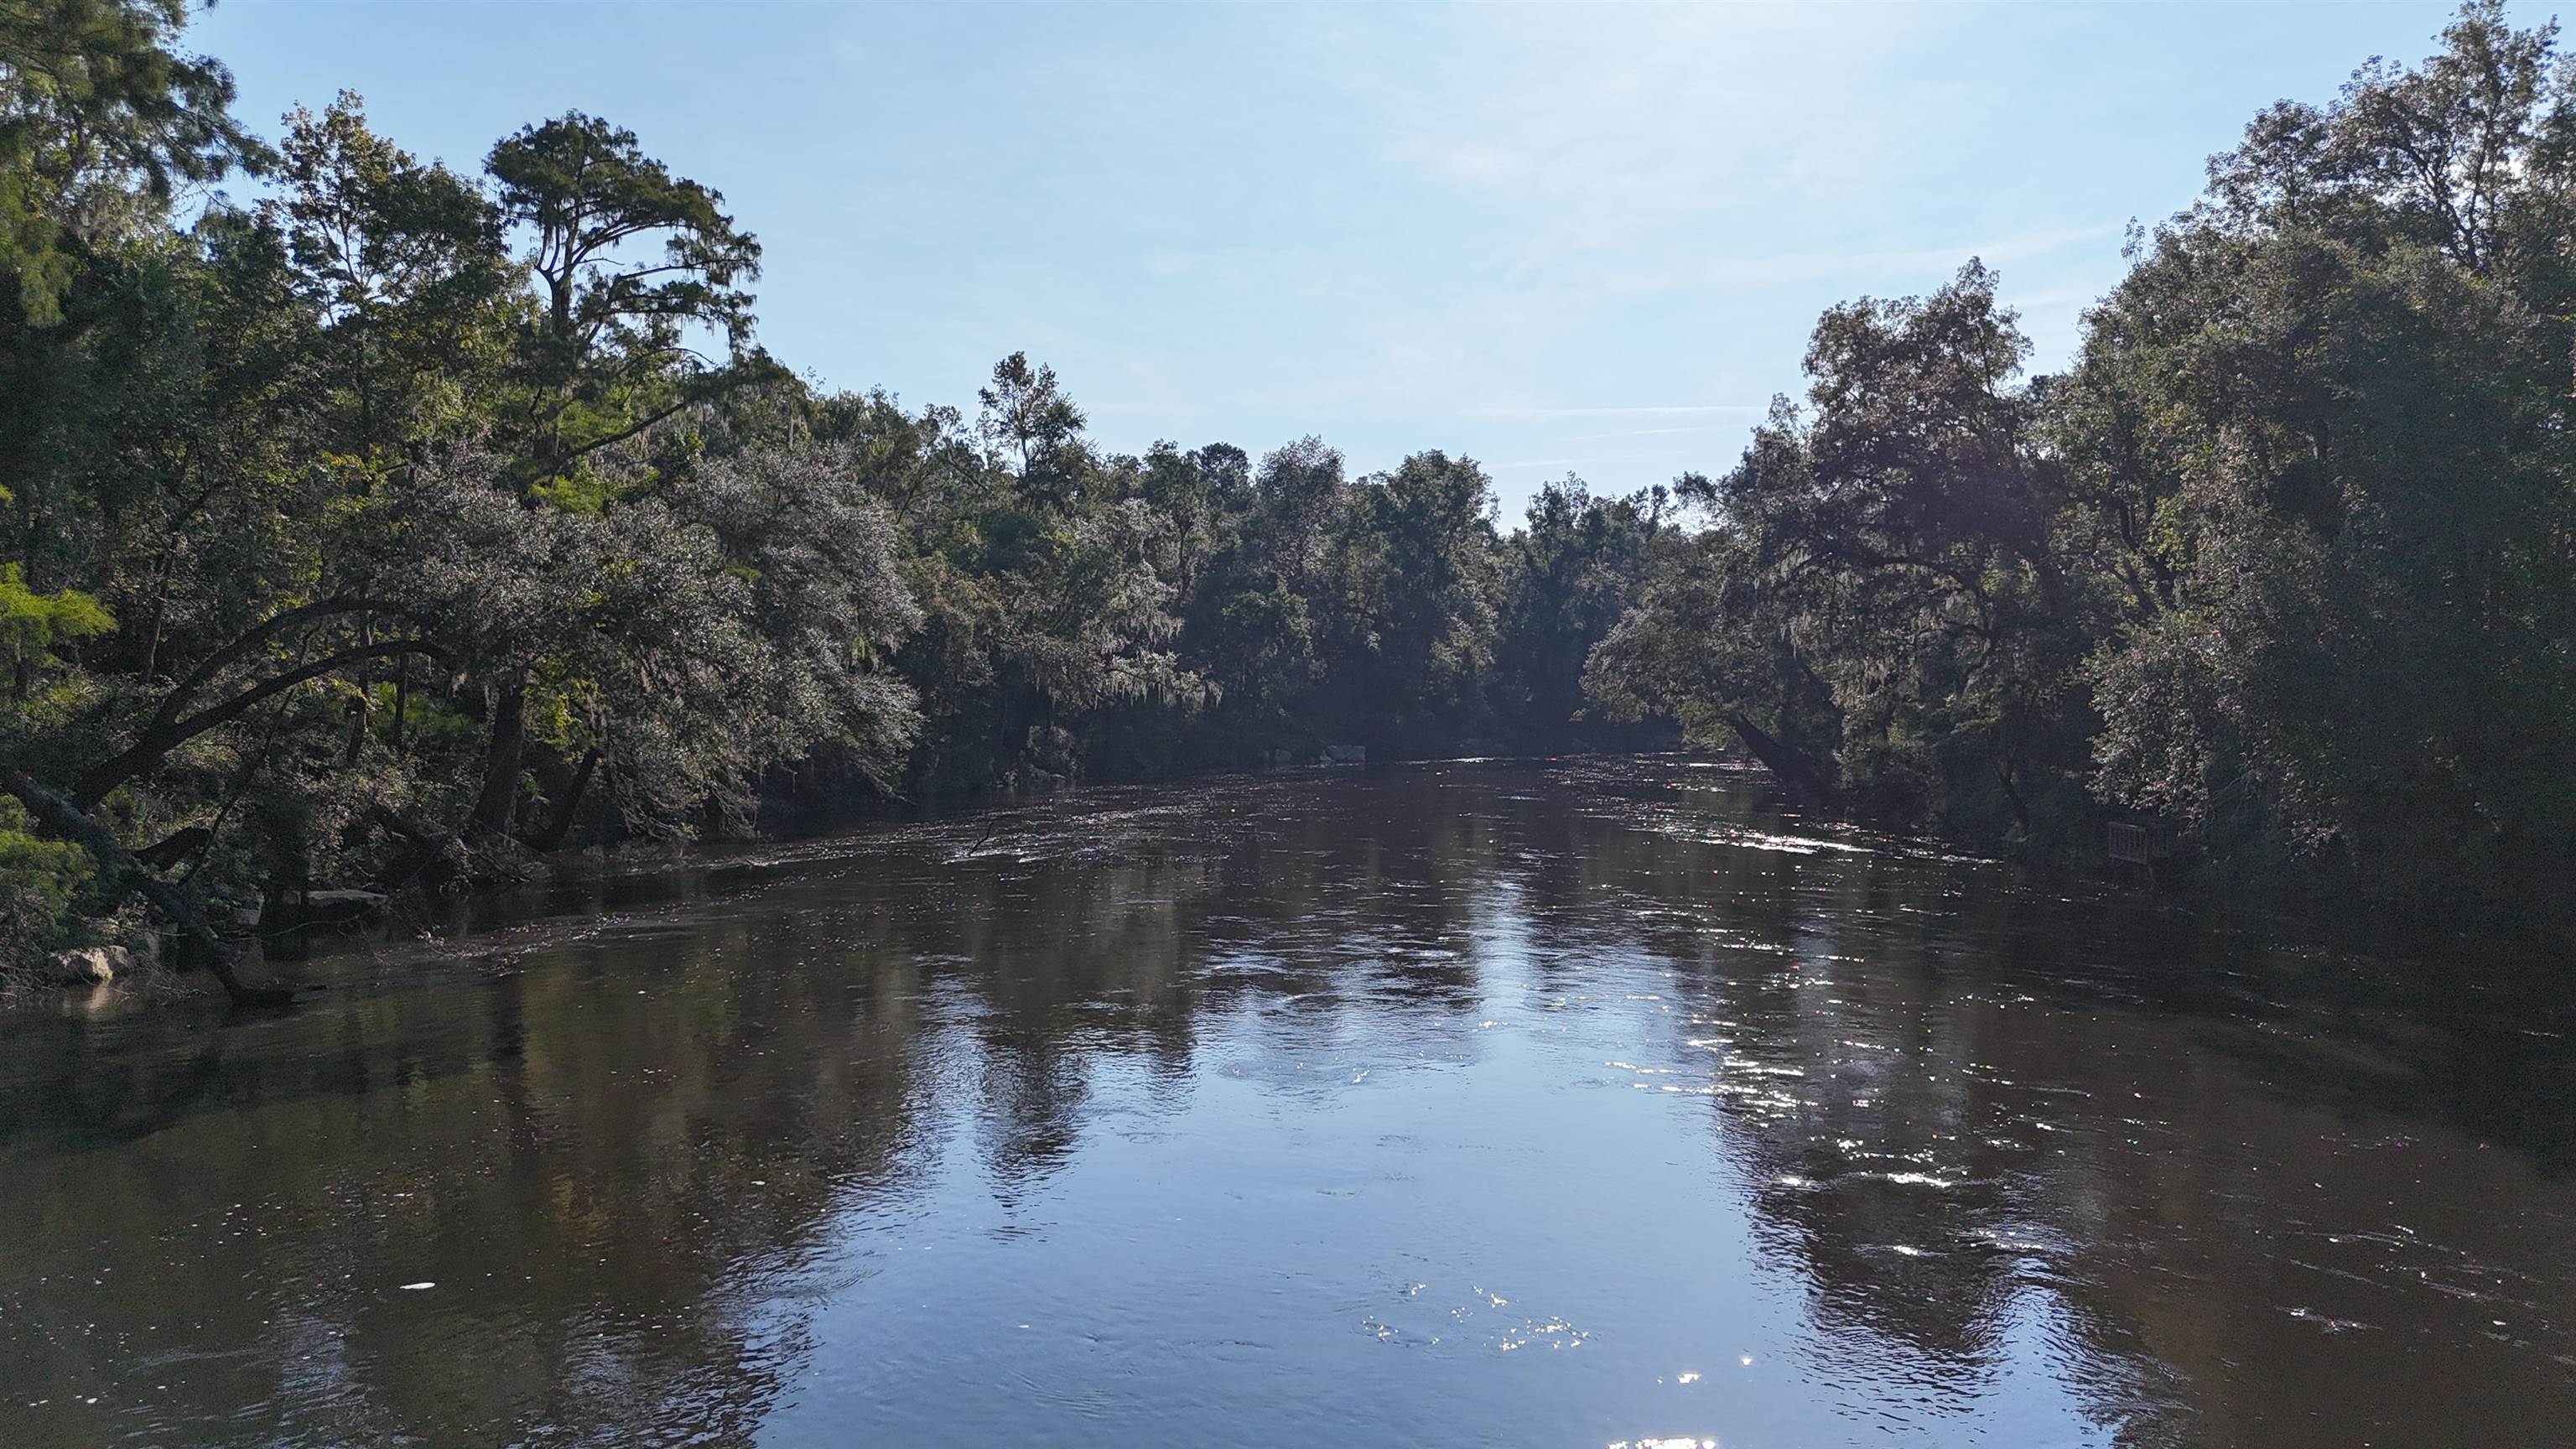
[[2138, 844]]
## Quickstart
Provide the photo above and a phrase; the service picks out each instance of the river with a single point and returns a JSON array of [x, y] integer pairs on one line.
[[1592, 1104]]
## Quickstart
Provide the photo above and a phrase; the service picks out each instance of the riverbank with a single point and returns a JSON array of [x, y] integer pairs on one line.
[[603, 880]]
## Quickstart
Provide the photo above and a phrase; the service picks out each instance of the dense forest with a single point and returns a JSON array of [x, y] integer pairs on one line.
[[401, 526]]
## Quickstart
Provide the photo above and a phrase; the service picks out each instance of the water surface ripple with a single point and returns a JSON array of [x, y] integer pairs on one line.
[[1587, 1105]]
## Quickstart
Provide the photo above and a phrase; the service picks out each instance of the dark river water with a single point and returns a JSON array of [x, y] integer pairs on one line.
[[1589, 1105]]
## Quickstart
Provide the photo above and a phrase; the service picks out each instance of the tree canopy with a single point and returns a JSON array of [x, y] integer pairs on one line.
[[2284, 560], [409, 525]]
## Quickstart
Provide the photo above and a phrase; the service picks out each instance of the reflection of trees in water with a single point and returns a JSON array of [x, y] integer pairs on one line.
[[1826, 1079], [1964, 1109], [619, 1163], [1126, 950], [603, 1185], [624, 1167]]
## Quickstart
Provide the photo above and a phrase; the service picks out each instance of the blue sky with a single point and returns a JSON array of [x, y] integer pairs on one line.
[[1578, 238]]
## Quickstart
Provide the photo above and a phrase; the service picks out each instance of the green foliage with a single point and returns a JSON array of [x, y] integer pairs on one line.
[[100, 120], [40, 882], [1887, 589], [403, 266], [31, 622], [414, 523], [1570, 574], [2288, 558], [2337, 395], [613, 345]]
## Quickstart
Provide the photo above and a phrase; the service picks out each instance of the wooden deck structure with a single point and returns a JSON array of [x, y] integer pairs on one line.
[[2139, 844]]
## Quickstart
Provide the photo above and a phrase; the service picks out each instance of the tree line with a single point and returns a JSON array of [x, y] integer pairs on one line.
[[2284, 561], [409, 525]]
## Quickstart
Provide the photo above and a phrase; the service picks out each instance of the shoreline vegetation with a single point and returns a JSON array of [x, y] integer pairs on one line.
[[402, 527]]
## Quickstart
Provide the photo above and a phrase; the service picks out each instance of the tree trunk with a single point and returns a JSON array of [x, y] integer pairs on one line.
[[1793, 769], [167, 732], [498, 804], [2012, 794], [125, 873], [551, 838], [363, 708]]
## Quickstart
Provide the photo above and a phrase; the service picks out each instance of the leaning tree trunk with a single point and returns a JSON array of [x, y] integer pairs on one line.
[[495, 807], [550, 838], [125, 873], [1792, 768]]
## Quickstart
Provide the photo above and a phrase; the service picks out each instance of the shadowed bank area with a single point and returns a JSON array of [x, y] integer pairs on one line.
[[1567, 1104]]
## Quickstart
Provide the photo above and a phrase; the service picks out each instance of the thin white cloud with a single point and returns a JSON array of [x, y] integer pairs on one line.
[[1649, 410], [1650, 433], [1889, 262]]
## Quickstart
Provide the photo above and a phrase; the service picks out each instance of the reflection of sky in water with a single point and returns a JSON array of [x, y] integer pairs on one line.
[[1438, 1105]]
